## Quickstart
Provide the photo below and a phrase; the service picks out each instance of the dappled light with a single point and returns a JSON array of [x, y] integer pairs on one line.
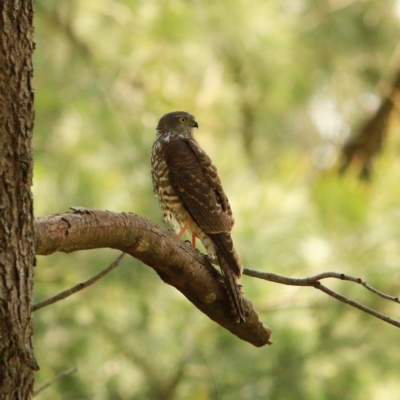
[[277, 88]]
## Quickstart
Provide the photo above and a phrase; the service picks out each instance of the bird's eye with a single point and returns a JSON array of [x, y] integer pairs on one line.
[[182, 120]]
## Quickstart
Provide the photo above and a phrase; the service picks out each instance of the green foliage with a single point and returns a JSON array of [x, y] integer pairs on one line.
[[275, 87]]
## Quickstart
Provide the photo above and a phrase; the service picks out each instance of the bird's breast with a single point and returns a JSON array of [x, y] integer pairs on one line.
[[172, 207]]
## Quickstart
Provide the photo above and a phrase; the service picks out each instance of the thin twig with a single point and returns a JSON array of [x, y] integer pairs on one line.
[[361, 307], [310, 281], [315, 282], [55, 379], [78, 287], [379, 293]]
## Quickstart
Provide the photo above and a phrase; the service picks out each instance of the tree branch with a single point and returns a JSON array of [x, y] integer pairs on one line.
[[368, 140], [54, 380], [314, 281], [80, 286], [176, 262]]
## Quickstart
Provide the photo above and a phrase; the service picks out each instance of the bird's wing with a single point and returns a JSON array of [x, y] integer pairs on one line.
[[195, 181]]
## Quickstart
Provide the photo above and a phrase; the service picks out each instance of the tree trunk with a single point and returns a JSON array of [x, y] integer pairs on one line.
[[17, 361]]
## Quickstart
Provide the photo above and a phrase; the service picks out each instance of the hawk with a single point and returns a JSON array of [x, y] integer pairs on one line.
[[191, 197]]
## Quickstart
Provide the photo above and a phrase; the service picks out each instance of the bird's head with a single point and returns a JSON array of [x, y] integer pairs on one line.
[[179, 123]]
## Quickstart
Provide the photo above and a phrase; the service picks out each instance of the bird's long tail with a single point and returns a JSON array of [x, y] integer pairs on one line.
[[231, 269]]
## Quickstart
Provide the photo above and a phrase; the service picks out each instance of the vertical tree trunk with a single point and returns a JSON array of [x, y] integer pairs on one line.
[[17, 361]]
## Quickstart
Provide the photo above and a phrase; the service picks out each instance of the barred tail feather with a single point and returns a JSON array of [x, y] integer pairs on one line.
[[231, 271], [233, 290]]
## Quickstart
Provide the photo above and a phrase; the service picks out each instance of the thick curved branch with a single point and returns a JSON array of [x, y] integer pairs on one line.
[[314, 281], [176, 262]]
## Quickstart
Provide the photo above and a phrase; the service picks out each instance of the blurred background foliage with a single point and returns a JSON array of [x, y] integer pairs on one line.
[[276, 87]]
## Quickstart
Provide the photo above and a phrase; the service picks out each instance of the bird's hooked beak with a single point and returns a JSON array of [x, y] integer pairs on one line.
[[194, 124]]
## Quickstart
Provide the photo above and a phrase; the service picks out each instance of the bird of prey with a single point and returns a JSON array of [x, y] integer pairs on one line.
[[191, 197]]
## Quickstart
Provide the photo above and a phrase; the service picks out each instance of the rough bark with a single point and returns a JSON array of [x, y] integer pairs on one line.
[[176, 262], [17, 361]]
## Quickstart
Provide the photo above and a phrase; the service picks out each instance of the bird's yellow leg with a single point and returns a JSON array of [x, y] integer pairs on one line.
[[193, 240], [183, 230]]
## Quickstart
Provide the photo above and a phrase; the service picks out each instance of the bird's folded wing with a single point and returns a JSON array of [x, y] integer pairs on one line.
[[195, 181]]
